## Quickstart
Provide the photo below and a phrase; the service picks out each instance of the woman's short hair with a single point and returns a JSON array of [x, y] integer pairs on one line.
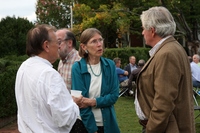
[[36, 37], [86, 35], [159, 18]]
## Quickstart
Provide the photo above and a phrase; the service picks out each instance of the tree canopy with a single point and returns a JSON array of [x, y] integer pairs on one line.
[[116, 18], [13, 35], [54, 12]]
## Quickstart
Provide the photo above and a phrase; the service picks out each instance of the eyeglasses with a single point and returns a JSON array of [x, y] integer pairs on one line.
[[54, 41], [96, 41], [60, 41]]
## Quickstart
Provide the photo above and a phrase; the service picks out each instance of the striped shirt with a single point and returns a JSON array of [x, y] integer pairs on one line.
[[65, 66]]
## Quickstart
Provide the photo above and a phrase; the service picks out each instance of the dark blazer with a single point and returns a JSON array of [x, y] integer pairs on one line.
[[134, 74], [128, 68], [165, 90]]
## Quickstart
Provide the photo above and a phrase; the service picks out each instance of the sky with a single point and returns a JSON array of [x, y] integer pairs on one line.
[[18, 8]]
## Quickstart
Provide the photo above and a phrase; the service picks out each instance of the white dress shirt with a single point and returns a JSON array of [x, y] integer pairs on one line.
[[195, 69], [44, 103]]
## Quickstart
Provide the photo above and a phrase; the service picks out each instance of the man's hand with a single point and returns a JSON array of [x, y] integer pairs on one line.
[[78, 100]]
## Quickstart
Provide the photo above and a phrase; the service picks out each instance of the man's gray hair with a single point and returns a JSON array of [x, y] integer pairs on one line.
[[141, 62], [159, 18]]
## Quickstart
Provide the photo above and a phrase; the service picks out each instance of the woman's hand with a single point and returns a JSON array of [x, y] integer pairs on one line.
[[86, 102]]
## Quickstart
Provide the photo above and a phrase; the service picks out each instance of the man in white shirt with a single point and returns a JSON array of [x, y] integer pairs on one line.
[[195, 69], [44, 103]]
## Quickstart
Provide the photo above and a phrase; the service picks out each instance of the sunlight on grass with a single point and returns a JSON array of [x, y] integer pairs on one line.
[[128, 120]]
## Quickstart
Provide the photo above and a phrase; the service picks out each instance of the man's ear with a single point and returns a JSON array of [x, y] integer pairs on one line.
[[45, 46], [70, 43], [153, 31]]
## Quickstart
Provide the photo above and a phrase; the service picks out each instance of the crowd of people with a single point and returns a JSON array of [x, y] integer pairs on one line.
[[163, 84]]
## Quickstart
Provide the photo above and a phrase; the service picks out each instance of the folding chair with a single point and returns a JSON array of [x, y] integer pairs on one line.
[[196, 91], [125, 90]]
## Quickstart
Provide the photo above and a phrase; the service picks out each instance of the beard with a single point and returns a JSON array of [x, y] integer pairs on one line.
[[63, 54]]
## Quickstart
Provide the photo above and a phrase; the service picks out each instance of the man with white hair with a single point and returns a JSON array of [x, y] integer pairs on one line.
[[195, 69], [164, 95]]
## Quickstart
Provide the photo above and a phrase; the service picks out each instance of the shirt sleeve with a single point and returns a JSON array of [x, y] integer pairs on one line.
[[120, 71], [64, 110]]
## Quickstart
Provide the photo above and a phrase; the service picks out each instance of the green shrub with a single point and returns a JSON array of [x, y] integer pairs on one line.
[[8, 69], [13, 35]]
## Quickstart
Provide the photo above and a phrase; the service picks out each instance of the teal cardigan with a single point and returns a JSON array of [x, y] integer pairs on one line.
[[109, 94]]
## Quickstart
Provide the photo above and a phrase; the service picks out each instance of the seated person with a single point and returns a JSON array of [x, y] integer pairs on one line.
[[131, 65], [134, 74], [195, 69], [122, 74]]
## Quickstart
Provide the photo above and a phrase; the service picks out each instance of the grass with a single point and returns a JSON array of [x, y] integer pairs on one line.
[[128, 120], [126, 116]]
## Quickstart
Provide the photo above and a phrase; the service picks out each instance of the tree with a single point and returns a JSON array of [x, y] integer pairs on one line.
[[54, 12], [186, 14], [101, 19], [116, 20], [13, 35]]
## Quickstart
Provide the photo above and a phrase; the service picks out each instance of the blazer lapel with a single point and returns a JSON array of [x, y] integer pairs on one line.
[[170, 39]]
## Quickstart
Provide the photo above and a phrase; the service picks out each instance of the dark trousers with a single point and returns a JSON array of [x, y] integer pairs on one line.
[[100, 129], [78, 127], [143, 123]]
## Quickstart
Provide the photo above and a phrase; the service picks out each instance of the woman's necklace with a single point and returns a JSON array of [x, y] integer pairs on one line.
[[97, 75]]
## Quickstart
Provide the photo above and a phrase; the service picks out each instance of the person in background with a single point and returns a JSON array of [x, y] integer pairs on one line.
[[122, 74], [133, 76], [164, 97], [131, 66], [96, 77], [195, 70], [134, 73], [195, 59], [68, 54], [44, 104]]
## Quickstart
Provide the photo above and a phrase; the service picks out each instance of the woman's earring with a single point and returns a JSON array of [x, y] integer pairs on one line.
[[86, 51]]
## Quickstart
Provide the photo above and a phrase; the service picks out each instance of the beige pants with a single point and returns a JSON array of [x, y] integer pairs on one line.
[[124, 83]]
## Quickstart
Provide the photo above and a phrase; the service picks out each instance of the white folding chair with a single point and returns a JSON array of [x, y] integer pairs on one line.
[[196, 106], [123, 90]]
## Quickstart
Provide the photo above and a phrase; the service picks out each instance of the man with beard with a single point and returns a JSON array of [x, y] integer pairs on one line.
[[68, 54]]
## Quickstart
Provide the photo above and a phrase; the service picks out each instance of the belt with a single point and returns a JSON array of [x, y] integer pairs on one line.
[[143, 123]]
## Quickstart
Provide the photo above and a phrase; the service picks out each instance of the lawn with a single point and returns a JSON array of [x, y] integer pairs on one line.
[[126, 116], [128, 120]]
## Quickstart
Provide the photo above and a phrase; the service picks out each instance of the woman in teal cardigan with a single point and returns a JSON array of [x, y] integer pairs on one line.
[[96, 77]]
